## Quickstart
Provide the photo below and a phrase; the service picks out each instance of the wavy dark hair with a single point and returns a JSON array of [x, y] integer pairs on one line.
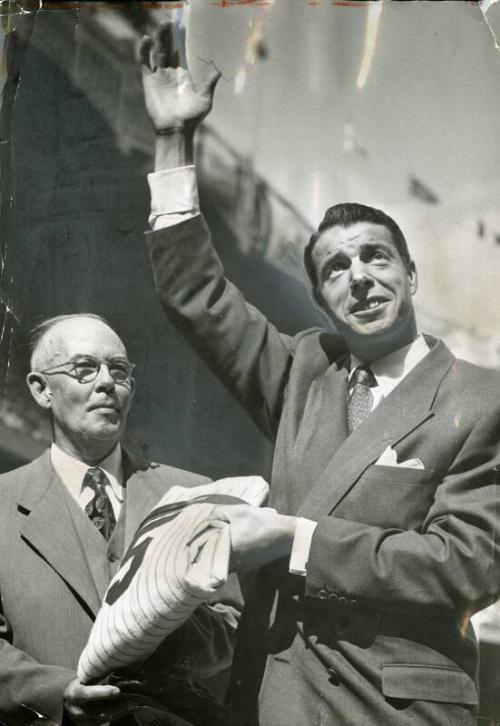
[[345, 215]]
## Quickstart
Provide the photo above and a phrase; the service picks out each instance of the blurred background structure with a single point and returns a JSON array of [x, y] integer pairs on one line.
[[392, 104], [76, 148]]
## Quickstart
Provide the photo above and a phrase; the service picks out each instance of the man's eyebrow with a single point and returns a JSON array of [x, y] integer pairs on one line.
[[329, 260], [376, 244], [93, 357]]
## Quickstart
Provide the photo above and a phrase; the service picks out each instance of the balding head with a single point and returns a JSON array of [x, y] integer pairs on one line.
[[89, 412], [48, 336]]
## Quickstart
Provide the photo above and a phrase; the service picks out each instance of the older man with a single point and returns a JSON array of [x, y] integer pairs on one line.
[[65, 521], [385, 478]]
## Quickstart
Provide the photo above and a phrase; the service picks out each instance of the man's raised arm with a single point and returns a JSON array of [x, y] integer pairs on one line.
[[238, 343], [234, 339]]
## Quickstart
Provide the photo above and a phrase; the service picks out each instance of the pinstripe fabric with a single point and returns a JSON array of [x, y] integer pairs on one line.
[[176, 561]]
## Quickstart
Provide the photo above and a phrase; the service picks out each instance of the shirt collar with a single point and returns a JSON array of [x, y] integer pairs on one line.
[[391, 369], [72, 471]]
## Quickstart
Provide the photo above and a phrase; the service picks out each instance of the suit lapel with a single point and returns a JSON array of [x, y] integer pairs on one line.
[[141, 496], [322, 431], [49, 527], [323, 425], [406, 408], [55, 526], [94, 548]]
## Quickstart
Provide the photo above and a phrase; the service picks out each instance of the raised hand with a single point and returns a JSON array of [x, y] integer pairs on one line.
[[173, 102]]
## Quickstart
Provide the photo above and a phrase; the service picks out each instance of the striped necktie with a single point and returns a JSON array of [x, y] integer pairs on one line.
[[99, 509], [360, 400]]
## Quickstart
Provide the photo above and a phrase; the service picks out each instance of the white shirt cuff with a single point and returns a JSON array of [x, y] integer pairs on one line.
[[174, 196], [301, 546]]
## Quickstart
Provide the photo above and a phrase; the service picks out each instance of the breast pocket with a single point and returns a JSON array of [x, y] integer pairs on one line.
[[428, 683], [390, 496]]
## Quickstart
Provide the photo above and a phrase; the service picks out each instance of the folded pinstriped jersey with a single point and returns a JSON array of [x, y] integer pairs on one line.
[[178, 558]]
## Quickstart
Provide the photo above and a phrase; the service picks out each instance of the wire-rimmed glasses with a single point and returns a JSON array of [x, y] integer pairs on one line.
[[86, 369]]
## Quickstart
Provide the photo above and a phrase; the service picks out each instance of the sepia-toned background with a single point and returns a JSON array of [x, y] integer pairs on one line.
[[394, 104]]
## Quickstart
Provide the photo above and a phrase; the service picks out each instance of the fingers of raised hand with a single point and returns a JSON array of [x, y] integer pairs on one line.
[[144, 53], [166, 49], [170, 45], [207, 87]]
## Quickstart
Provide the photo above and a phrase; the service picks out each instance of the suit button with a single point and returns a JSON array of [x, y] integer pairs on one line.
[[342, 600], [333, 596], [343, 623], [323, 594], [353, 603], [112, 557], [333, 676]]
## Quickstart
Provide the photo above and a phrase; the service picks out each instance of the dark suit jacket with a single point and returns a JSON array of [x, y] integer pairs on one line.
[[379, 629], [54, 570]]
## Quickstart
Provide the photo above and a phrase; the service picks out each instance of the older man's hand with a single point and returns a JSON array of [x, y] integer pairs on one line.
[[91, 705], [258, 536]]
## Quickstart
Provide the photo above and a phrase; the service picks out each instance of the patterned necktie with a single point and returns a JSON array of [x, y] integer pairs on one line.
[[99, 509], [360, 402]]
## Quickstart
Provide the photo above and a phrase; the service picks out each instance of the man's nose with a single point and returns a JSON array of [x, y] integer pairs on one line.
[[104, 381], [360, 280]]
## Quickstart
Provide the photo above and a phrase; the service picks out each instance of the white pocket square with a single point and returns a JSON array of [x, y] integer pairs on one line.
[[389, 458]]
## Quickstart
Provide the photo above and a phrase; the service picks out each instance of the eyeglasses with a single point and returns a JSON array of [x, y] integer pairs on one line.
[[86, 370]]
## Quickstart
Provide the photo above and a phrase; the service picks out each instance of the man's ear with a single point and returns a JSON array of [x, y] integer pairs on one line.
[[40, 389], [320, 301], [412, 274], [318, 297]]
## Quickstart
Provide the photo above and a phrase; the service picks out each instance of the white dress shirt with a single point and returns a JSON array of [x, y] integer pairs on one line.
[[390, 370], [174, 198], [72, 473]]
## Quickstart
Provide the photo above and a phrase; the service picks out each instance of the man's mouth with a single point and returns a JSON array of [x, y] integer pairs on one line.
[[106, 406], [367, 305]]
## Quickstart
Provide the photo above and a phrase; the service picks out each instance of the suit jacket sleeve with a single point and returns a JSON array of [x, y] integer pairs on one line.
[[211, 631], [28, 687], [250, 356], [452, 563], [204, 645]]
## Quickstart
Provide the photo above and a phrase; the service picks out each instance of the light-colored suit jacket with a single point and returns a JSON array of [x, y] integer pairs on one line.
[[378, 632], [54, 570]]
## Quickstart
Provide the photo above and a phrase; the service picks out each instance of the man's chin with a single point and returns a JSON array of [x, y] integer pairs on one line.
[[375, 328], [104, 417], [107, 431]]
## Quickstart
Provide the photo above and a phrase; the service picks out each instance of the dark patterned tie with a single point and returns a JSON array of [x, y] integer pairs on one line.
[[99, 509], [360, 402]]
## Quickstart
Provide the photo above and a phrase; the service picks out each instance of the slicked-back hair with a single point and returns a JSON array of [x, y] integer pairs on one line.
[[39, 331], [345, 215]]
